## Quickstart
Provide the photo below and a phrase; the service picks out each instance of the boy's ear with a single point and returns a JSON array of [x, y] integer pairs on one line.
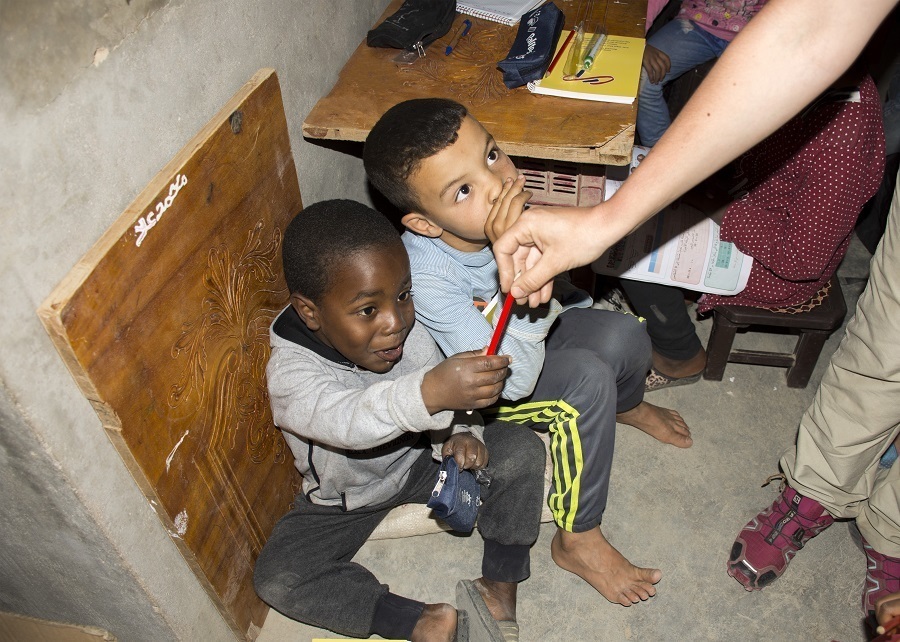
[[421, 225], [307, 311]]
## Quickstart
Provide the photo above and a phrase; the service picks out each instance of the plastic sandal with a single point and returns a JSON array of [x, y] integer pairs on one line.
[[657, 380], [482, 625]]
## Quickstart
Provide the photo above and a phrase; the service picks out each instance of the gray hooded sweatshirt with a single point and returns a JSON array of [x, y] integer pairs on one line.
[[352, 431]]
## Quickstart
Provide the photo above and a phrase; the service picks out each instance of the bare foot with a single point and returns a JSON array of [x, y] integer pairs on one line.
[[594, 560], [662, 424], [678, 369], [437, 623], [500, 598]]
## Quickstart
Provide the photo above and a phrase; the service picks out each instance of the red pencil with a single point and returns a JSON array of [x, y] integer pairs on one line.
[[501, 325], [560, 52], [888, 631]]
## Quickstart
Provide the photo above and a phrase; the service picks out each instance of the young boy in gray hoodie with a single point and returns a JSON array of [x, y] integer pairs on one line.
[[367, 405]]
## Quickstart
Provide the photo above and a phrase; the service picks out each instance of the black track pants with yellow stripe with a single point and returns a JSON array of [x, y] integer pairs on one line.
[[595, 365]]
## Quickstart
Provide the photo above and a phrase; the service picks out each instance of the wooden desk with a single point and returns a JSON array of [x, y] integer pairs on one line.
[[522, 123]]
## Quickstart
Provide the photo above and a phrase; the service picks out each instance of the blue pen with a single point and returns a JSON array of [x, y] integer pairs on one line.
[[462, 31]]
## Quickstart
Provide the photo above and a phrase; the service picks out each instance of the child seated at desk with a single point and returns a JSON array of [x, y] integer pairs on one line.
[[700, 32], [575, 370], [801, 190], [364, 400]]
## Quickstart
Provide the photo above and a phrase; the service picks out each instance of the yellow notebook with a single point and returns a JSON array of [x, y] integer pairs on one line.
[[613, 77]]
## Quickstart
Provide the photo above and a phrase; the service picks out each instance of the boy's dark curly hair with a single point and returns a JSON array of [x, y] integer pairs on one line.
[[403, 137], [326, 233]]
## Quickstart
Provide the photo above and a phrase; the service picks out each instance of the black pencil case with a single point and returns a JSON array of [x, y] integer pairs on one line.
[[416, 24], [534, 46]]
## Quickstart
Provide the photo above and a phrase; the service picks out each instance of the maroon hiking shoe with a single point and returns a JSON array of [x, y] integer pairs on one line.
[[770, 540], [882, 576]]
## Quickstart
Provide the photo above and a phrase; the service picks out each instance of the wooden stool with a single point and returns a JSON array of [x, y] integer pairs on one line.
[[815, 326]]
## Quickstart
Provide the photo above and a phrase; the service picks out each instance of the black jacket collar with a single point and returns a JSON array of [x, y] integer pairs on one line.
[[290, 326]]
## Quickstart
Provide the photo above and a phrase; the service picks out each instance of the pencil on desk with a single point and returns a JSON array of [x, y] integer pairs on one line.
[[560, 53]]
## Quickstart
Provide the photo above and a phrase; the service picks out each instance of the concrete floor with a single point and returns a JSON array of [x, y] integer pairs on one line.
[[677, 510]]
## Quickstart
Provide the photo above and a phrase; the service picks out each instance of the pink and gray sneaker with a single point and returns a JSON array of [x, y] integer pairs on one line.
[[763, 549], [882, 576]]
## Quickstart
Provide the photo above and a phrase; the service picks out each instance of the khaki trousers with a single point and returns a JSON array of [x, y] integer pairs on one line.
[[855, 415]]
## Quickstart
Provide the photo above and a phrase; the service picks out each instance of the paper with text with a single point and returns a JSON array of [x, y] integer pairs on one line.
[[679, 246]]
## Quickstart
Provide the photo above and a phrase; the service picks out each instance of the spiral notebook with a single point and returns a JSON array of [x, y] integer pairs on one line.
[[507, 12], [613, 78]]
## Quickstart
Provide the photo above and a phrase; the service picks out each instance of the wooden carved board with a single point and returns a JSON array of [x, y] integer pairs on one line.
[[164, 325]]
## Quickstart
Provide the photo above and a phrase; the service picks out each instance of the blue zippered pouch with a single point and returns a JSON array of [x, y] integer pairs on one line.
[[533, 48], [456, 496]]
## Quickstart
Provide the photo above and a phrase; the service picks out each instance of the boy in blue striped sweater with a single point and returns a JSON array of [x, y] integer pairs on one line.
[[575, 370]]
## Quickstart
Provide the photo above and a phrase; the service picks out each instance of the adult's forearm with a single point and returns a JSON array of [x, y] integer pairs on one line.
[[788, 54]]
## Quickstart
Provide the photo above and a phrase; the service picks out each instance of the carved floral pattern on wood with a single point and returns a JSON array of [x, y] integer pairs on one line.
[[232, 330], [470, 72]]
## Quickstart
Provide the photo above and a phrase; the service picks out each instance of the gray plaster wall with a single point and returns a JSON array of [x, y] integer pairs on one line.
[[97, 95]]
